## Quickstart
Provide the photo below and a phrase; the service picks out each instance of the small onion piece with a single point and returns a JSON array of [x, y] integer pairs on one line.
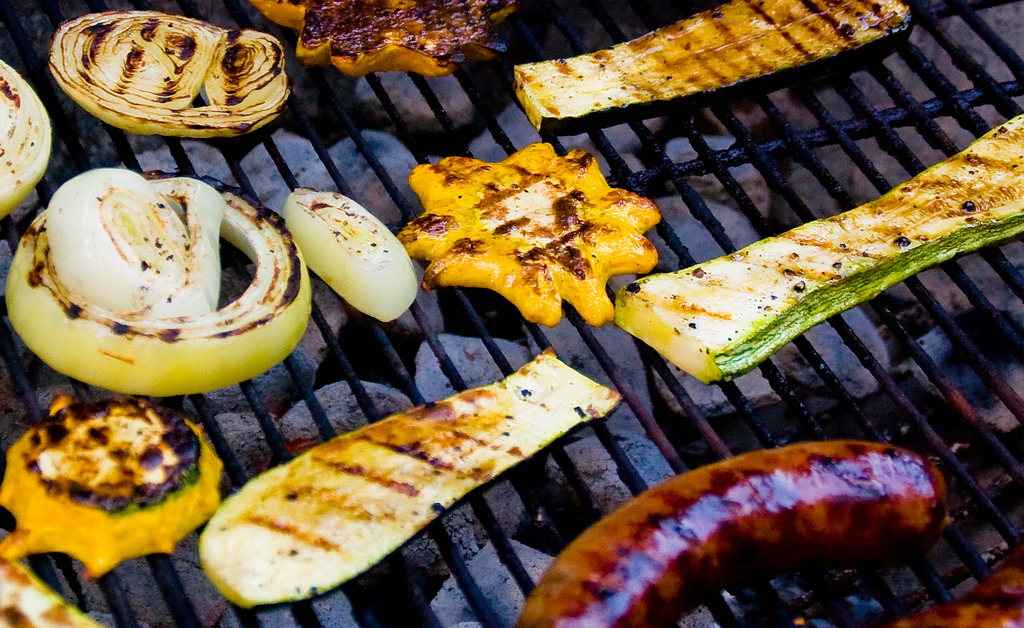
[[140, 71], [353, 251], [25, 139], [131, 353]]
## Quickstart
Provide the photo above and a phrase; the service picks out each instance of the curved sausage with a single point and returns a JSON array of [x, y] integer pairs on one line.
[[998, 601], [756, 515]]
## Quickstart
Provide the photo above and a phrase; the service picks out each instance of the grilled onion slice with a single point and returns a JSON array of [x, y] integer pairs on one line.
[[24, 139], [141, 70], [145, 351], [352, 251]]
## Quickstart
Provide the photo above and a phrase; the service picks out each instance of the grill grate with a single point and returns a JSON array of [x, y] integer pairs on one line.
[[559, 510]]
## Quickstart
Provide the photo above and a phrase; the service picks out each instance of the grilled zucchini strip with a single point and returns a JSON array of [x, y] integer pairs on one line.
[[719, 319], [331, 513], [743, 45], [25, 602]]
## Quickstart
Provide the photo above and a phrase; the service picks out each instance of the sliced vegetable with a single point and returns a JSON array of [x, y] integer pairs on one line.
[[739, 47], [108, 481], [352, 251], [141, 71], [137, 316], [25, 139], [536, 228], [331, 513], [25, 602], [429, 37], [719, 319]]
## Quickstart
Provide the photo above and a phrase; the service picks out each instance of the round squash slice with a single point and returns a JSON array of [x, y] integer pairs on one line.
[[108, 481]]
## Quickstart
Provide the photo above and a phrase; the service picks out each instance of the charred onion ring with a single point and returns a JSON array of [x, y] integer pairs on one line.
[[24, 139], [141, 70], [145, 351]]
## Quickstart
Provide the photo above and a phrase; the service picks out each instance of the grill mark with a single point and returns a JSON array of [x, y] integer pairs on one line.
[[293, 531], [843, 30], [412, 451], [360, 471], [779, 29]]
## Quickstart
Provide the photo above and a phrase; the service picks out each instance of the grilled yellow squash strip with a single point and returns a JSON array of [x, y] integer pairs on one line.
[[721, 318], [141, 70], [25, 602], [741, 45], [341, 507]]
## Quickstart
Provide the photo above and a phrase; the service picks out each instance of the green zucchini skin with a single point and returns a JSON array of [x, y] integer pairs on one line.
[[720, 319], [664, 71]]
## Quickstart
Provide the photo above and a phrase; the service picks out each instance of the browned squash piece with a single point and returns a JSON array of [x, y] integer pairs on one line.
[[429, 37], [536, 228]]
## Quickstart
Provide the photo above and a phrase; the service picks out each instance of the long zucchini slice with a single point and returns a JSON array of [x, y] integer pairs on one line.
[[739, 47], [331, 513], [719, 319]]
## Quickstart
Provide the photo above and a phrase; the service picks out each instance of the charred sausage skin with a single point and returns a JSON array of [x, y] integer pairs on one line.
[[756, 515], [998, 601]]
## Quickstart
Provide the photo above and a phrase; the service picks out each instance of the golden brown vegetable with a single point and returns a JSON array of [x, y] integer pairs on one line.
[[25, 138], [141, 71], [108, 481], [536, 228], [429, 37], [337, 509], [741, 46], [756, 515]]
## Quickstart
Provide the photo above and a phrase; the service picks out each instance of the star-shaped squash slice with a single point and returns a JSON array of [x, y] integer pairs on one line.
[[429, 37], [536, 228]]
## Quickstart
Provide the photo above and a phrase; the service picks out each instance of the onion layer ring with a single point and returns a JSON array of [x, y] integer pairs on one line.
[[167, 356], [25, 139], [141, 70]]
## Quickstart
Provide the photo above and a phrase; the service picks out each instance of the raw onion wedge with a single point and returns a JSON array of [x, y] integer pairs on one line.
[[137, 352], [25, 139], [353, 251], [141, 70]]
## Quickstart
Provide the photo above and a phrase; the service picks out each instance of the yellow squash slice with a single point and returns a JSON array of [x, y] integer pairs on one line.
[[116, 284], [141, 71], [536, 228], [108, 481], [25, 602], [341, 507], [25, 139]]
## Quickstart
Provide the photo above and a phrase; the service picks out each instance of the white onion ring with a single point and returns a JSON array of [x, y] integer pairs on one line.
[[25, 139], [165, 356], [141, 70]]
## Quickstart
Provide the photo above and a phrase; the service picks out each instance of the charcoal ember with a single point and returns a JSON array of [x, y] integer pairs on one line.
[[206, 159], [621, 349], [407, 327], [333, 310], [412, 106], [342, 410], [471, 359], [245, 438], [517, 128], [277, 386], [681, 150], [496, 584], [692, 234]]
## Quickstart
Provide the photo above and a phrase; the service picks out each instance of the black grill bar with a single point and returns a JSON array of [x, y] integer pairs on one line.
[[868, 122]]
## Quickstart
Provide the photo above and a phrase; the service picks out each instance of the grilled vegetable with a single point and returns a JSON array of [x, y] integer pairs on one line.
[[112, 287], [141, 71], [754, 516], [25, 139], [721, 318], [25, 602], [107, 481], [337, 509], [996, 602], [536, 228], [739, 47], [429, 37], [352, 251]]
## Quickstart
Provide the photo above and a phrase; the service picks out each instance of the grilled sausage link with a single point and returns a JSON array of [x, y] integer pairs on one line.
[[998, 601], [828, 503]]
